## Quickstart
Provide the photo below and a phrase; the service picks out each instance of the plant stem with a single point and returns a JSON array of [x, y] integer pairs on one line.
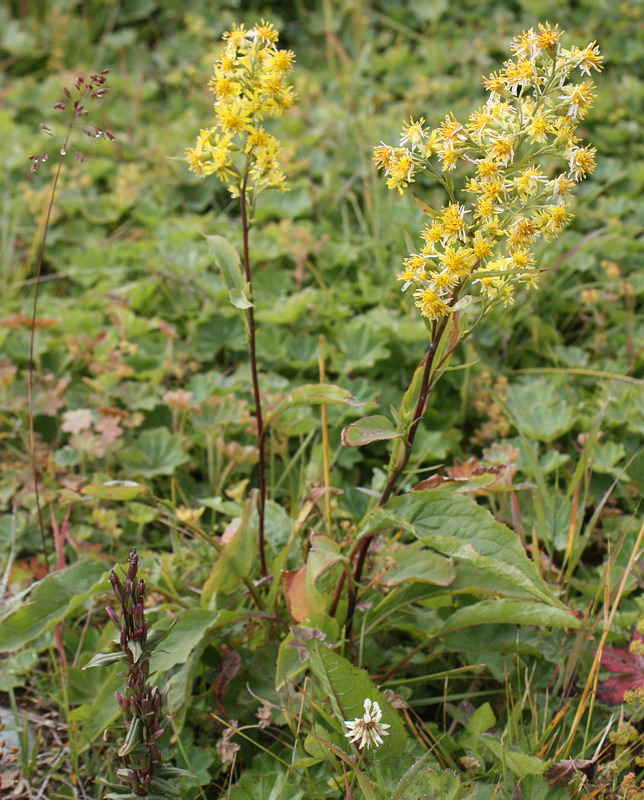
[[426, 386], [261, 460], [32, 342], [421, 406]]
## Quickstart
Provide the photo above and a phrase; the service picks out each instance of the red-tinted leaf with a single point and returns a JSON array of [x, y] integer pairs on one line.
[[630, 673]]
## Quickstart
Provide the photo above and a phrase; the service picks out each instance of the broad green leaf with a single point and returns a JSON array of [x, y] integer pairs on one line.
[[49, 601], [380, 519], [417, 563], [115, 490], [180, 684], [236, 559], [227, 260], [534, 787], [481, 721], [519, 764], [456, 526], [361, 346], [512, 612], [155, 452], [191, 625], [430, 785], [266, 785], [539, 412], [288, 310], [104, 709], [606, 455], [314, 394], [369, 429], [347, 687]]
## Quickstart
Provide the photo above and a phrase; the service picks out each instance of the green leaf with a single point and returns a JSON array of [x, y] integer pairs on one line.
[[481, 721], [288, 310], [369, 429], [410, 776], [105, 659], [227, 260], [511, 611], [51, 599], [539, 412], [104, 708], [416, 563], [429, 785], [155, 452], [314, 394], [519, 764], [236, 559], [190, 627], [454, 525], [115, 490], [347, 687], [534, 787]]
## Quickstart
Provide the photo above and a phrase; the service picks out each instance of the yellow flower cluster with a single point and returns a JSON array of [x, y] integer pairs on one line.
[[249, 83], [528, 121]]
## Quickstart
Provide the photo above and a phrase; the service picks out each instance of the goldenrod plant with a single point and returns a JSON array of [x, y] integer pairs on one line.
[[512, 189], [250, 85]]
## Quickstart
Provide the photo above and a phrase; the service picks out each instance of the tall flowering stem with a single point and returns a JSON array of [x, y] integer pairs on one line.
[[484, 245], [249, 83], [252, 350], [84, 89]]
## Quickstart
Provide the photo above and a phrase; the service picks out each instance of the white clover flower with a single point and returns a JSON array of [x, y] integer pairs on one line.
[[367, 731]]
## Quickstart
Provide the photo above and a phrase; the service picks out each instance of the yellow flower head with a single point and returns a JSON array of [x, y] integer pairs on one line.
[[453, 222], [401, 171], [548, 38], [248, 83], [530, 119], [581, 161], [430, 304], [588, 58], [413, 133], [383, 156], [458, 261]]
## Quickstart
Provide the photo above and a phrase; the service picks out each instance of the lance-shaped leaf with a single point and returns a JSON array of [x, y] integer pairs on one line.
[[314, 394], [456, 526], [227, 259], [513, 611], [369, 429], [115, 490], [347, 687], [236, 559], [49, 601]]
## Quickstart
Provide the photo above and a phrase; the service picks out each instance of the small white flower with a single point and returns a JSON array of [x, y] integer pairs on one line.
[[367, 731]]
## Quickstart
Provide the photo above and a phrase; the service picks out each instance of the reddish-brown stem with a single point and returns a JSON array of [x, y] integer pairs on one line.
[[261, 459], [438, 329], [32, 341]]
